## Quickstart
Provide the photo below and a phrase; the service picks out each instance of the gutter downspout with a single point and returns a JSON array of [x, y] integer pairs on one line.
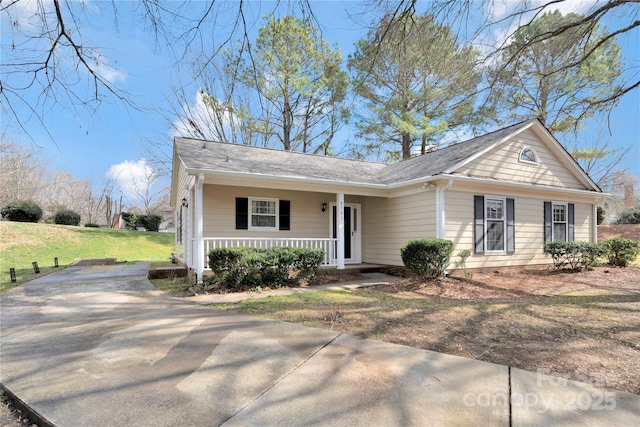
[[440, 208], [440, 213]]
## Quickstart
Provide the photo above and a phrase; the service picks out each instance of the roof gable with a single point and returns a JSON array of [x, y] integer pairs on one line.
[[557, 168]]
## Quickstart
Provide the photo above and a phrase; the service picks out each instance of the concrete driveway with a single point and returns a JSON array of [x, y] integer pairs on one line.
[[100, 346]]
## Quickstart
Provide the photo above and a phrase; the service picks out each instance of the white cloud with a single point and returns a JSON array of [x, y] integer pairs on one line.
[[131, 177], [501, 9], [103, 69], [199, 115], [508, 16]]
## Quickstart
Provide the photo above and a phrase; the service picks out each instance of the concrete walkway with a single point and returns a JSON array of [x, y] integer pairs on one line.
[[100, 346]]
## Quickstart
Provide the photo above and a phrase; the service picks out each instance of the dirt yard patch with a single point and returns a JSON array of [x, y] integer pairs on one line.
[[581, 326]]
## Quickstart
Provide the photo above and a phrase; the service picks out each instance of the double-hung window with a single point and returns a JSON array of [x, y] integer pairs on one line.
[[494, 225], [263, 214], [558, 222]]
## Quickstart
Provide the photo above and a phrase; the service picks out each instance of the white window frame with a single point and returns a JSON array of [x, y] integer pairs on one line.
[[565, 222], [251, 214], [503, 200], [533, 152]]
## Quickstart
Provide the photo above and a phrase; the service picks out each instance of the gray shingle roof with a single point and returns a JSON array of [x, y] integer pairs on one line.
[[207, 156]]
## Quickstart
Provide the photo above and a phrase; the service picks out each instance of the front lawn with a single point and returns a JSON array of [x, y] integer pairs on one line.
[[22, 243], [582, 326]]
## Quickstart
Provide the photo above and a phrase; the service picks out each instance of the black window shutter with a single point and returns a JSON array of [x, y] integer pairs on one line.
[[478, 228], [548, 224], [511, 227], [242, 213], [285, 215], [570, 223]]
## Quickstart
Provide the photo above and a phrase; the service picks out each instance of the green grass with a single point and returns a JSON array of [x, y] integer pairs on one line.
[[23, 243]]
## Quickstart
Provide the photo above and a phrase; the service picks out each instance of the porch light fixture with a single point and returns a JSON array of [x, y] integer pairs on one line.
[[324, 207], [184, 203]]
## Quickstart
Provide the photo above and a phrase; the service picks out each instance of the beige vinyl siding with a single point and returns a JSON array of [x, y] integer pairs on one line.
[[181, 192], [307, 218], [503, 163], [388, 223], [529, 231]]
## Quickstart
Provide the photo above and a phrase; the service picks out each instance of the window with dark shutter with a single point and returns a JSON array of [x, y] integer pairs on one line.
[[494, 225], [478, 228], [559, 222], [511, 226], [570, 223], [548, 223], [242, 213], [285, 215]]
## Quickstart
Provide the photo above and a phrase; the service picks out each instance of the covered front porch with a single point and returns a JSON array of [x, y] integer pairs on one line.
[[313, 220]]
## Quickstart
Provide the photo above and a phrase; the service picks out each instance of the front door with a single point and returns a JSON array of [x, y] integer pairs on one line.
[[351, 231]]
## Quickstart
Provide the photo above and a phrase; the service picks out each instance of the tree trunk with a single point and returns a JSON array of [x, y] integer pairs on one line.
[[406, 145]]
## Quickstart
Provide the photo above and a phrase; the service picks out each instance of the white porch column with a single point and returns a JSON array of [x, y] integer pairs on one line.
[[340, 230], [198, 211]]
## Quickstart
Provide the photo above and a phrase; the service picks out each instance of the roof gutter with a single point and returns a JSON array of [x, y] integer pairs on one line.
[[385, 187], [319, 181]]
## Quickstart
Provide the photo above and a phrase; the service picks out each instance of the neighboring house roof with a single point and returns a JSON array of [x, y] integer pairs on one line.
[[208, 157]]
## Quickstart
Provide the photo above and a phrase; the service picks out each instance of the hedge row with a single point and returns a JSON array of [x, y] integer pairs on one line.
[[148, 222], [430, 257], [245, 268], [580, 255]]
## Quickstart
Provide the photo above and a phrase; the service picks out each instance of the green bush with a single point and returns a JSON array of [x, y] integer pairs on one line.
[[130, 219], [427, 257], [22, 211], [631, 216], [621, 251], [245, 268], [601, 215], [92, 225], [67, 217], [148, 222], [574, 255]]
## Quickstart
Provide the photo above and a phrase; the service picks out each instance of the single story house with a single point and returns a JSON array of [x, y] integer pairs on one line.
[[501, 196]]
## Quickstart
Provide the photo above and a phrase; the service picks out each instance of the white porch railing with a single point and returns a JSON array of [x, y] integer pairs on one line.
[[327, 245]]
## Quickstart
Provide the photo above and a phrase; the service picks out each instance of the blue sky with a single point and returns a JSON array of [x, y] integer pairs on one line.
[[88, 143]]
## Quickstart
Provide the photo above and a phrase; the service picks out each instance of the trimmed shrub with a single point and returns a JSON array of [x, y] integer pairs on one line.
[[631, 216], [22, 211], [92, 225], [621, 251], [130, 219], [244, 268], [574, 255], [67, 217], [148, 222], [427, 257]]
